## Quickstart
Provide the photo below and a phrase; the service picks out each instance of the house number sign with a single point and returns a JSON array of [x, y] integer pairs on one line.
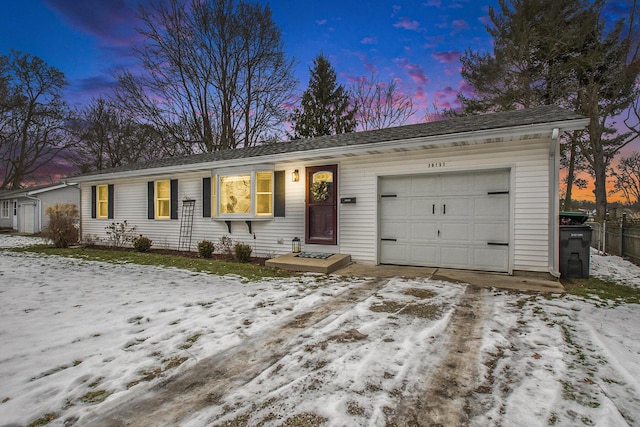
[[435, 164]]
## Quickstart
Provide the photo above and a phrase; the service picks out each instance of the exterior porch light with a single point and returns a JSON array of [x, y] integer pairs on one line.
[[295, 175], [295, 245]]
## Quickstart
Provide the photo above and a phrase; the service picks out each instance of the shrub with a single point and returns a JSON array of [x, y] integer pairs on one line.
[[119, 233], [243, 252], [225, 245], [205, 249], [62, 229], [142, 243]]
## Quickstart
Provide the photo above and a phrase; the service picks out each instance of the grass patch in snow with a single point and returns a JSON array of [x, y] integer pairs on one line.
[[425, 311], [602, 290], [44, 420], [249, 271]]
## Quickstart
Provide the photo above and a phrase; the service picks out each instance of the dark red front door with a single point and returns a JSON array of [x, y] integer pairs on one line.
[[321, 205]]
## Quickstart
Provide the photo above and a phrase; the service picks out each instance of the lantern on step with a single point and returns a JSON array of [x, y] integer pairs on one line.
[[295, 245]]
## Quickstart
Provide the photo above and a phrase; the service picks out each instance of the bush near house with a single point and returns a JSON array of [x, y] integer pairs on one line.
[[142, 243], [205, 249], [62, 229], [243, 252]]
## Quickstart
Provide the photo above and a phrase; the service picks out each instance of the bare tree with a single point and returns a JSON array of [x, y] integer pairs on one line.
[[379, 104], [216, 76], [33, 117], [628, 177], [107, 138]]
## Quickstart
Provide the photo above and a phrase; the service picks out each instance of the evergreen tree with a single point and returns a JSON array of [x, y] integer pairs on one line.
[[325, 105], [560, 52]]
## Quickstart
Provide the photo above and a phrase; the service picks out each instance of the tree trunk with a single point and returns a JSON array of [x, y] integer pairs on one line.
[[570, 176]]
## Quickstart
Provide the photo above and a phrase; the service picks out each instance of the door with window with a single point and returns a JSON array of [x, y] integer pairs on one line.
[[321, 205]]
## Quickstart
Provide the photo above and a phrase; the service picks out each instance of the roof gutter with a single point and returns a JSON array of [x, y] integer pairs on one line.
[[433, 141]]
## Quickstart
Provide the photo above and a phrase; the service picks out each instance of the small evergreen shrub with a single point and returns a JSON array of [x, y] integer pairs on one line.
[[243, 252], [205, 249], [62, 229], [142, 243]]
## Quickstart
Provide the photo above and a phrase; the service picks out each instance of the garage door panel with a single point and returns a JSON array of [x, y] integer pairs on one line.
[[421, 207], [423, 231], [458, 220], [491, 207], [490, 232], [493, 181], [393, 253], [455, 256], [492, 258], [424, 185], [454, 208], [459, 232], [423, 255], [393, 207], [457, 184], [394, 230]]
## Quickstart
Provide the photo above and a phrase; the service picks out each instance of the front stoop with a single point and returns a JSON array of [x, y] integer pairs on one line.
[[292, 262]]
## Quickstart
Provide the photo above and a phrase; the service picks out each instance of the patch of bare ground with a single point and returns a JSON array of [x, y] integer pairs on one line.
[[448, 398], [177, 397]]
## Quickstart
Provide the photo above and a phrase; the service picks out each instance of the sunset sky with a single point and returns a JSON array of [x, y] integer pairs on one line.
[[417, 42]]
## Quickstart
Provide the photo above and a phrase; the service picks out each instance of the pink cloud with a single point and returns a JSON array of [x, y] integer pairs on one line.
[[321, 21], [434, 3], [486, 20], [447, 57], [414, 71], [460, 25], [465, 88], [369, 40], [407, 24]]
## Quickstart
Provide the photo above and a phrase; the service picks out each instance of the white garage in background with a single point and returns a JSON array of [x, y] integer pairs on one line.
[[456, 220]]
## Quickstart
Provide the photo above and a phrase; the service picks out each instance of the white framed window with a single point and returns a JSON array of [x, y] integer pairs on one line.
[[163, 199], [103, 201], [243, 195], [4, 209]]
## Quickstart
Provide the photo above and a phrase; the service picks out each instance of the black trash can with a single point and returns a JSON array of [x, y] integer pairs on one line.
[[575, 251]]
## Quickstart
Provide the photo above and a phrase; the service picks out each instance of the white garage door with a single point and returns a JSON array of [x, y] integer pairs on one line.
[[456, 220]]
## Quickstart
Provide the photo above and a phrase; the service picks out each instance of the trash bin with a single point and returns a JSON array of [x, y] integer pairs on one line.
[[575, 251]]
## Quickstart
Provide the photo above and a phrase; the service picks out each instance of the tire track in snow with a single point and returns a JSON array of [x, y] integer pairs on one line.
[[206, 383], [447, 399]]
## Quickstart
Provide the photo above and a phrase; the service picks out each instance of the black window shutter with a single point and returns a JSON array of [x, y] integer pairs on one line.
[[94, 195], [174, 199], [278, 186], [206, 197], [110, 205], [150, 200]]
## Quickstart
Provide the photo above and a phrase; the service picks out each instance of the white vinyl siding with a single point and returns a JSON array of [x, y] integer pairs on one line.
[[527, 160]]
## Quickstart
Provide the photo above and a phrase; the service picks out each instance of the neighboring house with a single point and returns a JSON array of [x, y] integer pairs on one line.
[[24, 210], [477, 192]]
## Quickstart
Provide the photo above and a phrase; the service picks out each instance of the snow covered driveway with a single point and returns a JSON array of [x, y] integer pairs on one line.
[[89, 343]]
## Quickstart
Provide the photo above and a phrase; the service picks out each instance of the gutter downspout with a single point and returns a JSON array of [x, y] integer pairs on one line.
[[554, 203]]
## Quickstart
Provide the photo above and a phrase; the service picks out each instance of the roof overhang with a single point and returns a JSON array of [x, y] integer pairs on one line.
[[459, 139]]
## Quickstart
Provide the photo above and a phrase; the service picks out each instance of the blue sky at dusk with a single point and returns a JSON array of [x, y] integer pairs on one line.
[[418, 43]]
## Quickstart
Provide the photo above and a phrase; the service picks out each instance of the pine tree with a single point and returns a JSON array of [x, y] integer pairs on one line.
[[325, 105], [561, 52]]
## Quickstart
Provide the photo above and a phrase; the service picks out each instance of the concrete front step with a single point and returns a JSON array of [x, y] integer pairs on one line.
[[292, 262]]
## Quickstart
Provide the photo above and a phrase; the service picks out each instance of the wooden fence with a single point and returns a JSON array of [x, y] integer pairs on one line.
[[620, 237]]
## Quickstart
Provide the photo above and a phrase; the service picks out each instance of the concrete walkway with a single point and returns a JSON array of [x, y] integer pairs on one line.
[[476, 278]]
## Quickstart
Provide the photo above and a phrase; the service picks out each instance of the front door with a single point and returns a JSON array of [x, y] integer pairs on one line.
[[321, 205]]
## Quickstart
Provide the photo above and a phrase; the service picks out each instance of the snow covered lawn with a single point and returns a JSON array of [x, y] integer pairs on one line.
[[79, 340]]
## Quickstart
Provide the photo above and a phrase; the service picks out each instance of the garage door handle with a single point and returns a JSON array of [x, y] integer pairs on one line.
[[444, 209], [497, 192], [433, 209], [497, 244], [389, 240]]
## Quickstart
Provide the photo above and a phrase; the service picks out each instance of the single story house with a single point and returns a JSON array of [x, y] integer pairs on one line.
[[24, 210], [477, 192]]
